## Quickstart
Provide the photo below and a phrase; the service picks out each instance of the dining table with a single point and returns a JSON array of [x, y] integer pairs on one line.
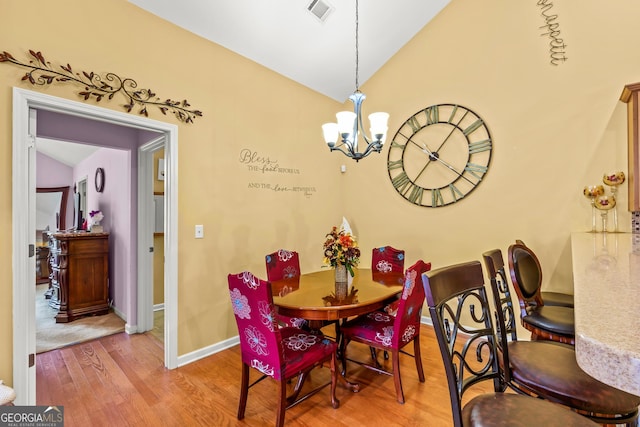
[[606, 274], [317, 298]]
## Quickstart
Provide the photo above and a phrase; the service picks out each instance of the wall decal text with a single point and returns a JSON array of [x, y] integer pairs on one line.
[[557, 46]]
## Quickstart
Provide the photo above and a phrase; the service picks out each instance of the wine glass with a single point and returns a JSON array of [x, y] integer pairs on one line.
[[591, 192], [604, 203], [613, 180]]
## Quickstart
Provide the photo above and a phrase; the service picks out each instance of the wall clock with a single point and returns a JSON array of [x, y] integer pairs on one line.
[[439, 155], [99, 180]]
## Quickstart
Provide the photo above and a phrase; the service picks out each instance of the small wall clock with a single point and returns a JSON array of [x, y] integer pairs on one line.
[[99, 181], [439, 155]]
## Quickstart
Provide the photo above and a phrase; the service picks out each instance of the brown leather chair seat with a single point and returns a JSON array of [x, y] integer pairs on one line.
[[458, 302], [502, 409], [550, 369], [559, 320], [545, 322]]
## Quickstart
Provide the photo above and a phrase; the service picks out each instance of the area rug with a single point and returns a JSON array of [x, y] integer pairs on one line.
[[51, 335]]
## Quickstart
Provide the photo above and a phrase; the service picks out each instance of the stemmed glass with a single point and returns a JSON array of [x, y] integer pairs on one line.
[[604, 203], [613, 180], [591, 192]]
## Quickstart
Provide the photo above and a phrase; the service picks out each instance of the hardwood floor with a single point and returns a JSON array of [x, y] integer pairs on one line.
[[120, 380]]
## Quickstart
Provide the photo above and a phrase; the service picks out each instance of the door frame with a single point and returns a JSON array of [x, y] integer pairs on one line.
[[23, 230]]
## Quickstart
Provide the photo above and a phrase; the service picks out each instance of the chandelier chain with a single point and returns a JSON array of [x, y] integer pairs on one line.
[[357, 62]]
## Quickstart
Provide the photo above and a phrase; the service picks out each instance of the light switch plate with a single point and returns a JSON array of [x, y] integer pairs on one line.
[[199, 231]]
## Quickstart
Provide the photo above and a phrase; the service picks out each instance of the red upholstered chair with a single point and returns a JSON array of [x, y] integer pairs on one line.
[[285, 264], [461, 317], [386, 259], [553, 298], [381, 331], [545, 322], [279, 353], [549, 370]]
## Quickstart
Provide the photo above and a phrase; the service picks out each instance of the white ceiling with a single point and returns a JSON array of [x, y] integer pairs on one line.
[[284, 36], [68, 153]]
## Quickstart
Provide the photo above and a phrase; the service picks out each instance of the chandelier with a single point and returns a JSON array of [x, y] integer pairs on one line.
[[349, 126]]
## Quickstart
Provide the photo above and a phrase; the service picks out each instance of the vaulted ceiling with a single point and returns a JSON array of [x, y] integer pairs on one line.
[[287, 36]]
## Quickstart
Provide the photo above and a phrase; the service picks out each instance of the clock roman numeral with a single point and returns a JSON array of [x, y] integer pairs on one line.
[[415, 195], [432, 114], [400, 182], [413, 122], [473, 169], [394, 164], [436, 198], [395, 144], [453, 114], [455, 193], [477, 147], [475, 125]]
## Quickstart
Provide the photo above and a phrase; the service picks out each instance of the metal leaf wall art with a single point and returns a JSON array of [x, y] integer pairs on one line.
[[40, 72]]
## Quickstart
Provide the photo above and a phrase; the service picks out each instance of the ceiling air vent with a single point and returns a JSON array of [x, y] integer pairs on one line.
[[320, 9]]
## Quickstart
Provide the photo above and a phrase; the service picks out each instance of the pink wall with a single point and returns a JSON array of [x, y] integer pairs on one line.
[[52, 173], [118, 202], [115, 202]]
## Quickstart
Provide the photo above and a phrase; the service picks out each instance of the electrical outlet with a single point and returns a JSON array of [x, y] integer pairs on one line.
[[199, 231]]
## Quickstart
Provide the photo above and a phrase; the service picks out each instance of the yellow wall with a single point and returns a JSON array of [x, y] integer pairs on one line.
[[158, 269], [555, 130], [245, 106]]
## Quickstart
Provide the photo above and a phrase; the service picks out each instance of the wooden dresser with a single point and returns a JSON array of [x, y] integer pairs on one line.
[[80, 274]]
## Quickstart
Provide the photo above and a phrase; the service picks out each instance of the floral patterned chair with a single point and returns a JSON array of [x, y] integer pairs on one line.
[[285, 264], [386, 259], [279, 353], [384, 332]]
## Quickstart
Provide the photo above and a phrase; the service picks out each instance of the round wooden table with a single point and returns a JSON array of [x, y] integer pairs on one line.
[[314, 296]]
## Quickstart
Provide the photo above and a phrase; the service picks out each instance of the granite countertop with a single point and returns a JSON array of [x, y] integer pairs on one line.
[[606, 274]]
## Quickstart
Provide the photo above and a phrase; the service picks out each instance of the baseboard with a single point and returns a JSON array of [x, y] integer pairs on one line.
[[208, 351], [425, 320], [119, 313]]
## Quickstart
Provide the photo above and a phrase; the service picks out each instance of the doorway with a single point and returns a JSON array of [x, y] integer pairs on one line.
[[23, 189]]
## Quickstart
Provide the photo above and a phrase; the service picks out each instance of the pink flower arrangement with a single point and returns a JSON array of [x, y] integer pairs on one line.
[[96, 217]]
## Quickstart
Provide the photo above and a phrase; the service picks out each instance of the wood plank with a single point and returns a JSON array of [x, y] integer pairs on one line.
[[121, 380]]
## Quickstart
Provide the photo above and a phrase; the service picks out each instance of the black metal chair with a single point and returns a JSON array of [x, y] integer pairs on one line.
[[461, 317], [547, 369]]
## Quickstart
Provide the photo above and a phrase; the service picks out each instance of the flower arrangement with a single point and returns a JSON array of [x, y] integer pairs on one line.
[[96, 217], [341, 247]]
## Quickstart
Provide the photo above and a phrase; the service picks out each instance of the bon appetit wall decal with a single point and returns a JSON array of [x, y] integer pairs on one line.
[[551, 25], [41, 72]]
